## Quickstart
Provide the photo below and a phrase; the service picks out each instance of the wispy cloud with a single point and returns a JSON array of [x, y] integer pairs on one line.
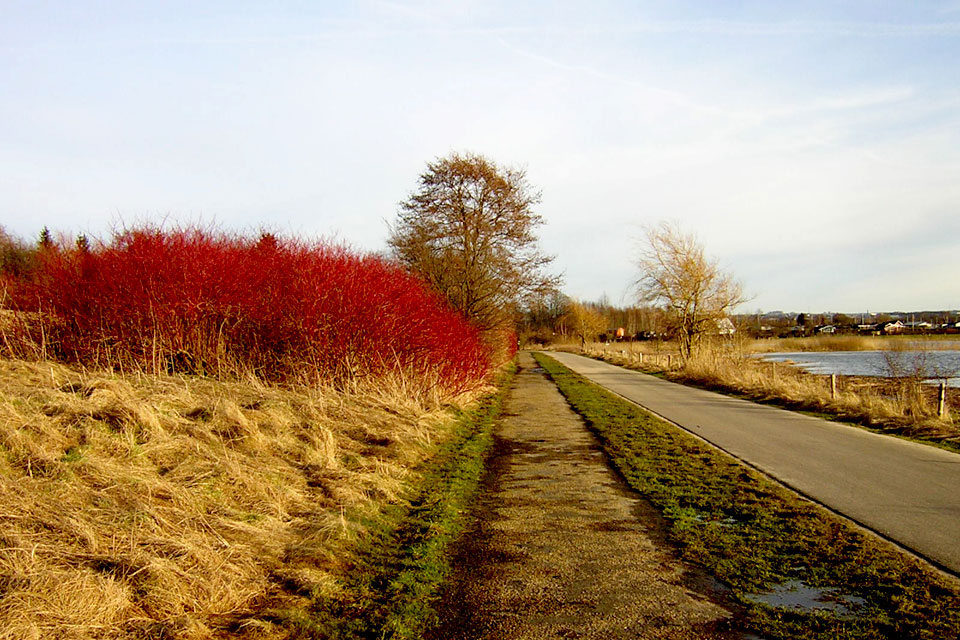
[[792, 138]]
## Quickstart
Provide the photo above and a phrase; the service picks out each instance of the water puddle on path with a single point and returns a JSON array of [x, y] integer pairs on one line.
[[797, 596], [725, 522]]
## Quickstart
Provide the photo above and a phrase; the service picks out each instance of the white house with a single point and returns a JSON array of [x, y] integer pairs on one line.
[[725, 327]]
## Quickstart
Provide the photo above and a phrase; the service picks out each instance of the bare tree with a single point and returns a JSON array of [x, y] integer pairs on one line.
[[469, 231], [541, 317], [676, 274], [584, 322]]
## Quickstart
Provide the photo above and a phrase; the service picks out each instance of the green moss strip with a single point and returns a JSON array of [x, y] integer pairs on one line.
[[395, 584], [752, 534]]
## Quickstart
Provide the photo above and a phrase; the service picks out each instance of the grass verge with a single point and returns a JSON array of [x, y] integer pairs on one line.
[[752, 534], [393, 586]]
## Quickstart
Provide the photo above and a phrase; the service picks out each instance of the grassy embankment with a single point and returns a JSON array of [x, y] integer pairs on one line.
[[155, 506], [255, 439], [904, 406], [752, 534]]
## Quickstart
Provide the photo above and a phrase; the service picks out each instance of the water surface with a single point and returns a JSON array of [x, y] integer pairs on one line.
[[798, 596], [929, 364]]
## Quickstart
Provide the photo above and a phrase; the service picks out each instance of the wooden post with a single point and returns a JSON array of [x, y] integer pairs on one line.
[[942, 402], [640, 358], [669, 361], [833, 386], [774, 371]]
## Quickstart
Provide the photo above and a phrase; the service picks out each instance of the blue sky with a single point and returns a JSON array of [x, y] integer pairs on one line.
[[813, 147]]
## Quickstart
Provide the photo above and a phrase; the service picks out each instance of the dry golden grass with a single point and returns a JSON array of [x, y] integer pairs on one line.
[[820, 343], [146, 506], [903, 405], [851, 343]]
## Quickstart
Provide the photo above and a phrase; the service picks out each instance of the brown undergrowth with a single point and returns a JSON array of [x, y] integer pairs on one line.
[[904, 406], [157, 506]]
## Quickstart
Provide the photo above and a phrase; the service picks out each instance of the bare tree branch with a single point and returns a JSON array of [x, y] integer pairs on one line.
[[676, 274]]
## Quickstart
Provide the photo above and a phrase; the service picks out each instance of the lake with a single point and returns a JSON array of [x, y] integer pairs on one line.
[[888, 364]]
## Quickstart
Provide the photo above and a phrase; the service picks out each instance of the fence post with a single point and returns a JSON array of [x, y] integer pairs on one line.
[[942, 402], [774, 371], [833, 386], [669, 360]]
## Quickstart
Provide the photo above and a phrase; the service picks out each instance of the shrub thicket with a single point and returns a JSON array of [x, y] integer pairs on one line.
[[200, 301], [15, 255]]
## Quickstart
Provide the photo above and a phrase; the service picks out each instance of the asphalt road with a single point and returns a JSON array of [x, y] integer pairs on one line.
[[907, 492]]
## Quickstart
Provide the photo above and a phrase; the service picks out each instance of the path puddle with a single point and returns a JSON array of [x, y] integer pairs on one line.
[[705, 518], [726, 522], [796, 595]]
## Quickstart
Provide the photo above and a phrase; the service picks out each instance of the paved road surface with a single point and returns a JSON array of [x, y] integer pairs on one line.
[[907, 492]]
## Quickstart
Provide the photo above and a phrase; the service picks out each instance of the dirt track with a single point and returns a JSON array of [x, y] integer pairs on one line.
[[562, 549]]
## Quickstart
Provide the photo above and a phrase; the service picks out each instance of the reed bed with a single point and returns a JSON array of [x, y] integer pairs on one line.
[[850, 343], [820, 343]]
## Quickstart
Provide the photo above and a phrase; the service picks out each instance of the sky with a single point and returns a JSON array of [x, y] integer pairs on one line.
[[813, 147]]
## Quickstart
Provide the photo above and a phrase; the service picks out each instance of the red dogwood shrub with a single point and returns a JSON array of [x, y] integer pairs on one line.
[[208, 302]]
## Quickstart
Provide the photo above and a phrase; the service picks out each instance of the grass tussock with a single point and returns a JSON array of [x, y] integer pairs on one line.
[[902, 405], [160, 506]]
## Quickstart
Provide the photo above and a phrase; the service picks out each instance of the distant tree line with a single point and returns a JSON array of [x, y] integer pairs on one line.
[[557, 318]]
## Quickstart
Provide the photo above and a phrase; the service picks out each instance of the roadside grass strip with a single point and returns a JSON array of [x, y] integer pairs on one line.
[[793, 569], [401, 564]]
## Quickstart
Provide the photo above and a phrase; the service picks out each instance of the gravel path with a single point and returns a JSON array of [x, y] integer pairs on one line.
[[562, 549]]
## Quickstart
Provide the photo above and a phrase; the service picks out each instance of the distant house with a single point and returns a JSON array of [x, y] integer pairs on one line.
[[827, 329], [725, 327], [893, 327]]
